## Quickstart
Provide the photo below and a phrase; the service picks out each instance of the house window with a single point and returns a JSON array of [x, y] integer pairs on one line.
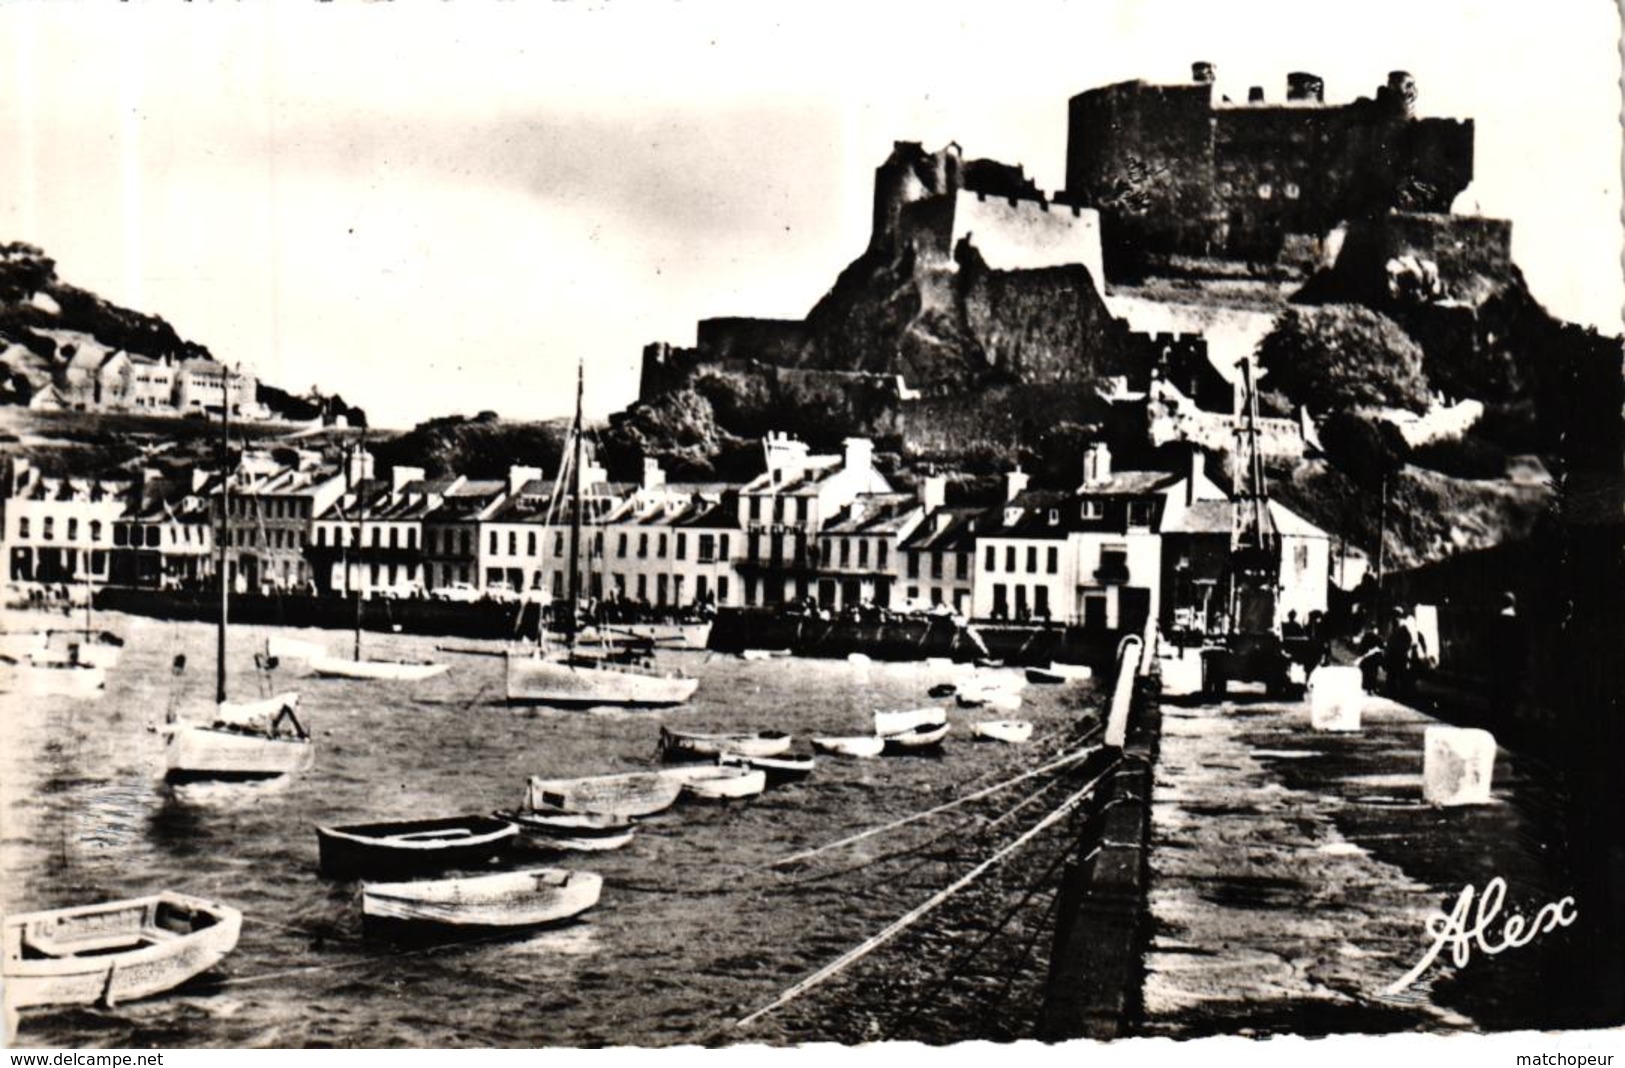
[[1053, 561], [682, 546], [643, 546], [620, 545], [1032, 559], [936, 566], [321, 536], [722, 589], [1041, 601], [660, 546], [755, 508], [50, 532], [558, 544], [961, 565], [73, 529], [722, 547], [95, 530], [513, 543], [1009, 557], [643, 587], [494, 543], [1139, 514], [778, 509], [394, 537], [707, 548], [801, 509], [914, 593], [992, 561], [1093, 508], [863, 552], [530, 543], [881, 552], [22, 527]]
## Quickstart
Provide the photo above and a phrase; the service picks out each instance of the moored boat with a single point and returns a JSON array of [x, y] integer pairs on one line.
[[943, 689], [897, 722], [733, 782], [779, 769], [527, 898], [412, 845], [858, 745], [1058, 672], [567, 682], [115, 951], [763, 654], [551, 827], [627, 794], [686, 745], [1014, 731], [44, 677], [924, 736], [336, 667]]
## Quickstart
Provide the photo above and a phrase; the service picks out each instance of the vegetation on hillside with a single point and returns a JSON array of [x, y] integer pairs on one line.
[[1342, 356]]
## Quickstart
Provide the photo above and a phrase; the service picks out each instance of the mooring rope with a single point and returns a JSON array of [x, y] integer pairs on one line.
[[1070, 758], [909, 918]]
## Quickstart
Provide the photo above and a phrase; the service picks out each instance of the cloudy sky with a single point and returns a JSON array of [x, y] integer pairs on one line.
[[440, 208]]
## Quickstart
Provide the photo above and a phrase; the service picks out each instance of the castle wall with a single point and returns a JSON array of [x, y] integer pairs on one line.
[[782, 342], [1047, 325], [1016, 234]]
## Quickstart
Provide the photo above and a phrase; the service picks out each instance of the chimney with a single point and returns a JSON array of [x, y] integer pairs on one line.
[[1255, 94], [860, 455], [653, 476], [783, 454], [1014, 482], [1193, 475], [1097, 463], [400, 475], [1202, 71], [1301, 85], [933, 492], [519, 474], [358, 466]]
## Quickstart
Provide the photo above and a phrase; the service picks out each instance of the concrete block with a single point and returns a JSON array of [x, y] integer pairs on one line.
[[1457, 765], [1335, 698]]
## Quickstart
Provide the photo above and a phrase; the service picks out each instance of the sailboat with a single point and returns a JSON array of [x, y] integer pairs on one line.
[[371, 668], [245, 740], [568, 678]]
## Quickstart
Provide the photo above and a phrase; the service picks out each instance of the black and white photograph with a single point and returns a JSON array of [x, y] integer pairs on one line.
[[705, 524]]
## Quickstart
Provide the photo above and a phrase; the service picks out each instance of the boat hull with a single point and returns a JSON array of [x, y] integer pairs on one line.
[[629, 795], [742, 782], [675, 745], [587, 832], [926, 736], [333, 667], [888, 723], [197, 754], [541, 681], [519, 899], [860, 745], [171, 937], [412, 845], [779, 769], [1013, 731]]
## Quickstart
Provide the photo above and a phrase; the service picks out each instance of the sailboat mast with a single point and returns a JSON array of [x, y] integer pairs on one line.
[[360, 533], [223, 537], [575, 520]]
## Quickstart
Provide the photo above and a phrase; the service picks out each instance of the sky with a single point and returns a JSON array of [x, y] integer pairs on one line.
[[441, 208]]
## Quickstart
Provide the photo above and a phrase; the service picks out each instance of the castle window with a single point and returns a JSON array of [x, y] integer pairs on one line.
[[1291, 191], [1265, 190], [1054, 516]]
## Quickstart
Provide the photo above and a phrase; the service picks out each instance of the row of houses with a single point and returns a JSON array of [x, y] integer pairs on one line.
[[825, 531], [93, 377]]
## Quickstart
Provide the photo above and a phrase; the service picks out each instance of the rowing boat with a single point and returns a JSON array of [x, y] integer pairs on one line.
[[115, 951], [779, 769], [528, 898], [337, 667], [412, 845], [1014, 731], [551, 827], [858, 745], [684, 745], [924, 736], [730, 783], [887, 723], [626, 795]]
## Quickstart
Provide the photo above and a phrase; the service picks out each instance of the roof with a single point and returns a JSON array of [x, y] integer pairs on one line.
[[1218, 517], [946, 530], [873, 513], [803, 483], [1130, 483]]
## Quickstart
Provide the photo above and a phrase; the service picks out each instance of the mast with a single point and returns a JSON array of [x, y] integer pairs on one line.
[[360, 533], [575, 521], [223, 536]]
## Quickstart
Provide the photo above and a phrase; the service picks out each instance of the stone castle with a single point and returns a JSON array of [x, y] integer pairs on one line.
[[975, 278]]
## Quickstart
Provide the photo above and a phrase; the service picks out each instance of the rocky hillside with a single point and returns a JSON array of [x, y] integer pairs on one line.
[[44, 321]]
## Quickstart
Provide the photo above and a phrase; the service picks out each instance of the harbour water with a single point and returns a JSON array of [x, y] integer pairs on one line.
[[696, 926]]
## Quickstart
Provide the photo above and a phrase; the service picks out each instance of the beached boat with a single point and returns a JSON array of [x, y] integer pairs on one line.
[[858, 745], [779, 769], [887, 723], [924, 736], [247, 741], [413, 845], [626, 795], [551, 827], [763, 654], [45, 677], [335, 667], [529, 898], [734, 782], [1014, 731], [281, 647], [115, 951], [661, 635], [943, 689], [1059, 673], [536, 677], [685, 745], [244, 741], [1003, 700]]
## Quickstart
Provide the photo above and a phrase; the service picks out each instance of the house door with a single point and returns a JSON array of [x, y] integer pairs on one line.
[[1094, 611]]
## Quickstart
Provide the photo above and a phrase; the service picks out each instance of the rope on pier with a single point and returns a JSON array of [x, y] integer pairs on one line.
[[907, 919], [1070, 758]]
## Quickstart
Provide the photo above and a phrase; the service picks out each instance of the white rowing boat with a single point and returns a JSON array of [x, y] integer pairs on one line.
[[887, 723], [924, 736], [115, 951], [735, 782], [1014, 731], [858, 745], [334, 667], [686, 745], [528, 898]]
